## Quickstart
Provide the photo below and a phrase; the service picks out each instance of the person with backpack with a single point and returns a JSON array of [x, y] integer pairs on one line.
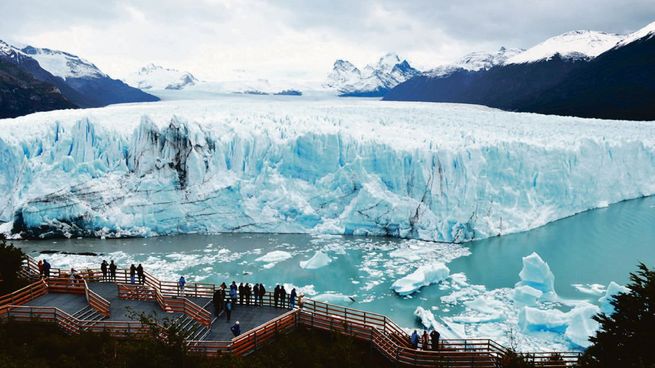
[[233, 293], [413, 339], [46, 268]]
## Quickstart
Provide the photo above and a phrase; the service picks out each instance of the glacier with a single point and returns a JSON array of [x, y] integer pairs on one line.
[[439, 172]]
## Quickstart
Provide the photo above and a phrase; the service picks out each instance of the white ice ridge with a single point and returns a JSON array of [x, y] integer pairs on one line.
[[416, 170], [424, 275], [318, 260]]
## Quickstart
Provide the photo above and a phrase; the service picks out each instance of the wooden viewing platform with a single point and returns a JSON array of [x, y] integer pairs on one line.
[[93, 304]]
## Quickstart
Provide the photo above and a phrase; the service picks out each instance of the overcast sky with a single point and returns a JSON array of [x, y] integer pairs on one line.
[[296, 39]]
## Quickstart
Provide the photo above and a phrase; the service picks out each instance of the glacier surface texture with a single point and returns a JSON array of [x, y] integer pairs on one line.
[[440, 172]]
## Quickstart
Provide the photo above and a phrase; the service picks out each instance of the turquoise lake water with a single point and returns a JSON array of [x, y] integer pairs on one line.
[[593, 247]]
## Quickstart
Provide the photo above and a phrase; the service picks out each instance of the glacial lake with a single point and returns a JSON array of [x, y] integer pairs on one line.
[[594, 247]]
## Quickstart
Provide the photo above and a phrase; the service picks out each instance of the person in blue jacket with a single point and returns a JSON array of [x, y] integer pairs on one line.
[[292, 298], [233, 293], [228, 310], [236, 329], [414, 339]]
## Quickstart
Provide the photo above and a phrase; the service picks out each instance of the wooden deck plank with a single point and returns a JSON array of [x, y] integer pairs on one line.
[[69, 303]]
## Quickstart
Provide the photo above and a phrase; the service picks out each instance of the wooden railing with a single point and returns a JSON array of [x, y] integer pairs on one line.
[[97, 302], [66, 285], [24, 295], [385, 336], [191, 309]]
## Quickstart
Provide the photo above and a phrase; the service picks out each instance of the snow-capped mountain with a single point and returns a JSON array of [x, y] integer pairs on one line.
[[569, 45], [373, 80], [476, 61], [157, 77], [79, 80], [63, 64], [580, 73]]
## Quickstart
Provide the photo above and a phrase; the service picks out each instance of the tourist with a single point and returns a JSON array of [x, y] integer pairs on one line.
[[236, 329], [301, 300], [139, 272], [255, 292], [276, 294], [292, 298], [228, 309], [260, 295], [103, 268], [233, 293], [414, 339], [248, 291], [46, 268], [218, 299], [434, 339], [112, 270], [283, 296], [132, 273], [180, 285], [71, 276], [241, 293], [425, 339], [40, 266]]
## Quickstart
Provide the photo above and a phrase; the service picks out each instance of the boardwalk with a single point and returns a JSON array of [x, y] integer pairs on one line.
[[86, 304]]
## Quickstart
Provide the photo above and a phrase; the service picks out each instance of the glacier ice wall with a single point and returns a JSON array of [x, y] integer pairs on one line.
[[430, 171]]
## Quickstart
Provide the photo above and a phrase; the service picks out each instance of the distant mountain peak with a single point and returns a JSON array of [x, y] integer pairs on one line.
[[157, 77], [476, 61], [569, 45], [63, 64], [372, 80]]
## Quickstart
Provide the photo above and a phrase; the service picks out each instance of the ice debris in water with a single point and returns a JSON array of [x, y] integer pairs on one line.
[[612, 289], [425, 275], [318, 260], [426, 318]]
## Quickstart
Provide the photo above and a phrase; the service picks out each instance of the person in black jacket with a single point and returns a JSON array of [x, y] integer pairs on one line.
[[262, 292], [242, 293], [218, 301], [112, 270], [139, 273], [434, 339], [276, 294], [255, 293], [103, 268], [132, 273], [283, 296]]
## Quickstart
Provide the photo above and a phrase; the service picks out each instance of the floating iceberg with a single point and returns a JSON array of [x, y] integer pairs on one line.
[[423, 276], [273, 258], [533, 320], [440, 172], [605, 301], [318, 260], [426, 317], [527, 295], [581, 326], [537, 275], [334, 298]]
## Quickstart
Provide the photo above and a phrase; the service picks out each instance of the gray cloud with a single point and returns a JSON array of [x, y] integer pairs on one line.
[[300, 38]]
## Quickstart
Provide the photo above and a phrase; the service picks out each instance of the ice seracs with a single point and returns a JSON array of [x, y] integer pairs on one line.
[[252, 164], [612, 290]]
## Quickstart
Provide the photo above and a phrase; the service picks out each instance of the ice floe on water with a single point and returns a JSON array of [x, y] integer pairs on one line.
[[318, 260], [273, 258], [612, 289], [423, 276], [590, 289]]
